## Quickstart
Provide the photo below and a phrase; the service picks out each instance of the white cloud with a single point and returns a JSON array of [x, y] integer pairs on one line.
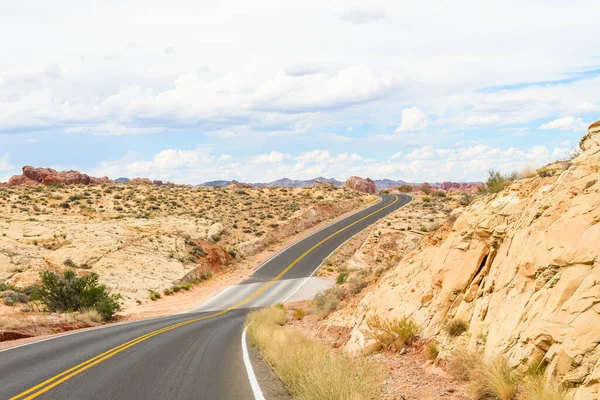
[[413, 119], [271, 158], [588, 107], [569, 123], [359, 16], [482, 120], [396, 155], [4, 163]]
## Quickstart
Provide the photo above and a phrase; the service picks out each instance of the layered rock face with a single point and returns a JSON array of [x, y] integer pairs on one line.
[[47, 176], [521, 267], [361, 185]]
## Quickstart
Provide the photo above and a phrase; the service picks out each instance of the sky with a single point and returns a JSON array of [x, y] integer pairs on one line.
[[193, 91]]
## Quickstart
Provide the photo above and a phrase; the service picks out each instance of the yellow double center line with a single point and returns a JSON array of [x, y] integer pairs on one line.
[[56, 380]]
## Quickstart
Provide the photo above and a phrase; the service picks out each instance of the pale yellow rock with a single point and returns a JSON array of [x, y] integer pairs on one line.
[[522, 267]]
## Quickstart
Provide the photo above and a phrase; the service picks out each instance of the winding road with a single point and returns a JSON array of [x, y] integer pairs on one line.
[[194, 355]]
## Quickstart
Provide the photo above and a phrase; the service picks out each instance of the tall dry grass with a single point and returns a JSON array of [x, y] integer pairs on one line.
[[308, 369]]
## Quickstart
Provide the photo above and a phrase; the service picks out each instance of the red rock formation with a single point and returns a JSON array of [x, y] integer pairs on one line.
[[157, 183], [239, 185], [361, 185], [47, 176], [140, 181], [453, 187]]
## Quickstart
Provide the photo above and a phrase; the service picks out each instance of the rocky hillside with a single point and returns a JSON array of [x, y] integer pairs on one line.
[[520, 267]]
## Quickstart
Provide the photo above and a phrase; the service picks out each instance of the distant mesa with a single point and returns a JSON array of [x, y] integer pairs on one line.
[[122, 181], [47, 176], [361, 185]]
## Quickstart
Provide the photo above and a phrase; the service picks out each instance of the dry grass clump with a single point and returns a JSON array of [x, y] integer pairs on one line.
[[496, 380], [538, 387], [456, 327], [392, 334], [307, 368], [7, 323], [463, 363], [89, 316], [328, 300]]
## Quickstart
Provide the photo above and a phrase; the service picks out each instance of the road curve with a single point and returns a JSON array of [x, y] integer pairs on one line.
[[195, 355]]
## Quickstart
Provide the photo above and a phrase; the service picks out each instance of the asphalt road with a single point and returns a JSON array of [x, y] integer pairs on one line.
[[195, 355]]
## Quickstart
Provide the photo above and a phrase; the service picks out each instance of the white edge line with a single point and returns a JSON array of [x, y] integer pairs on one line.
[[314, 233], [196, 309], [258, 395], [334, 250]]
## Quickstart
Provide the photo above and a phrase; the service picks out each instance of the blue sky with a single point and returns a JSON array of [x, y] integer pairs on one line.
[[193, 91]]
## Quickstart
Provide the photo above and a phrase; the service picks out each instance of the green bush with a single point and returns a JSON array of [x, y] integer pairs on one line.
[[341, 278], [496, 181], [392, 334], [68, 293]]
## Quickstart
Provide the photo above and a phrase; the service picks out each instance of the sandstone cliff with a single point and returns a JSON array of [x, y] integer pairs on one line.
[[361, 185], [521, 267]]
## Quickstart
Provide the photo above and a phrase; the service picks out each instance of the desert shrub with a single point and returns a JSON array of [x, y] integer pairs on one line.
[[426, 188], [327, 301], [404, 189], [68, 292], [70, 263], [495, 380], [186, 285], [464, 199], [497, 181], [168, 291], [176, 288], [299, 313], [11, 297], [432, 351], [341, 278], [392, 334], [456, 327]]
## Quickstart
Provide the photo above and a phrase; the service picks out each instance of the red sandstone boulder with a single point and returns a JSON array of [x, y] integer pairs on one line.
[[361, 185]]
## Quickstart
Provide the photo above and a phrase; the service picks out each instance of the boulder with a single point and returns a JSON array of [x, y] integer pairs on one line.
[[215, 231], [361, 185]]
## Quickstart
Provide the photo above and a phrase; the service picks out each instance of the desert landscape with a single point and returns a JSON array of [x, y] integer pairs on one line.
[[143, 239]]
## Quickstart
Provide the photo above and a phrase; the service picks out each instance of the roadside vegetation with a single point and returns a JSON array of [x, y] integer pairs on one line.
[[496, 379], [309, 369]]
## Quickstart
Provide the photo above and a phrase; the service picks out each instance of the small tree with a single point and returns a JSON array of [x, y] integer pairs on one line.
[[404, 189], [69, 293], [426, 188]]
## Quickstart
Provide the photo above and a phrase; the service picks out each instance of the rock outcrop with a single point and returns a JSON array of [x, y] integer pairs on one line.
[[453, 187], [47, 176], [320, 183], [520, 267], [361, 185], [239, 185]]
